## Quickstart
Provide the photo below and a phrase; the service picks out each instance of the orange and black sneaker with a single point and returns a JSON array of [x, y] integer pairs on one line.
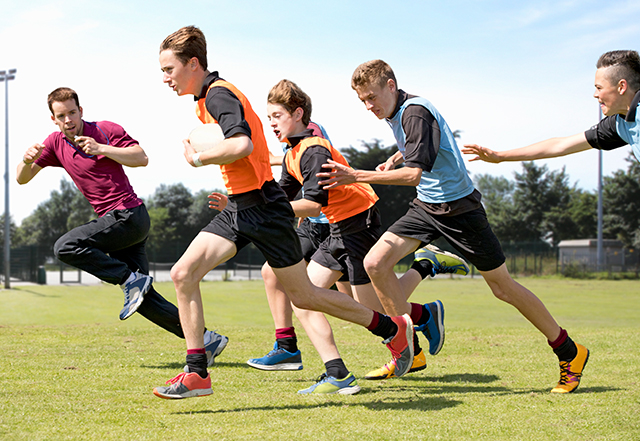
[[571, 371]]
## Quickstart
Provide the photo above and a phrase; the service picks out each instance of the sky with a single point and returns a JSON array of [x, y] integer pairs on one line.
[[505, 73]]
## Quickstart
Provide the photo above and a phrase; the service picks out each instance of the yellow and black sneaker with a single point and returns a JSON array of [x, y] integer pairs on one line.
[[571, 372], [388, 369]]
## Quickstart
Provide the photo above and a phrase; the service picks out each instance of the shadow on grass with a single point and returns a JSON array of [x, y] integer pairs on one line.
[[39, 294], [413, 403], [177, 365]]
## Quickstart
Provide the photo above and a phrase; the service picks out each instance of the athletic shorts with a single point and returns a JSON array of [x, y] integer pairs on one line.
[[268, 226], [311, 235], [469, 233], [346, 253]]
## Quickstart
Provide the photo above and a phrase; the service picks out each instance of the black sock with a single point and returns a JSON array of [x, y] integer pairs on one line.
[[289, 344], [197, 363], [336, 368], [567, 351], [424, 267], [385, 328], [416, 344]]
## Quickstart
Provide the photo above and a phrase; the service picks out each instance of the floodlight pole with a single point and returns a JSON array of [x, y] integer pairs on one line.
[[600, 251], [6, 76]]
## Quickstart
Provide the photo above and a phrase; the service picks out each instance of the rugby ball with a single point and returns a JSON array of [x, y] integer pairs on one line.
[[206, 137]]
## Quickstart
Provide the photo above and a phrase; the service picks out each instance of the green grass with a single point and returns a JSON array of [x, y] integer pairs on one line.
[[71, 370]]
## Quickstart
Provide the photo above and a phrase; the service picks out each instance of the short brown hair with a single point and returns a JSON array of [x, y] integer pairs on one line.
[[372, 72], [60, 95], [186, 43], [290, 96], [625, 65]]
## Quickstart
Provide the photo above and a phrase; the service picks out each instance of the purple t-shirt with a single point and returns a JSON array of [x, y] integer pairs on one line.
[[100, 179]]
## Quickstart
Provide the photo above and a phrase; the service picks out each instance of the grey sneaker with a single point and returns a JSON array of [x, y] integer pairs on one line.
[[134, 292], [214, 344]]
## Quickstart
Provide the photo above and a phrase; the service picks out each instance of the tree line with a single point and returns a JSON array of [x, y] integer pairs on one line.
[[536, 206]]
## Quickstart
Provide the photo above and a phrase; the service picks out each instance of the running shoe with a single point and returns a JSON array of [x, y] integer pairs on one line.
[[388, 369], [278, 360], [214, 344], [185, 385], [443, 262], [434, 328], [571, 371], [401, 344], [134, 292], [331, 385]]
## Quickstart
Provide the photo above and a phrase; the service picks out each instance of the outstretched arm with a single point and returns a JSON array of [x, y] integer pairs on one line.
[[27, 169], [551, 148], [342, 175]]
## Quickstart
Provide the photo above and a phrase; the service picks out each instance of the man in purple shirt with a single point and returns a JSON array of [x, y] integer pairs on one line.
[[112, 247]]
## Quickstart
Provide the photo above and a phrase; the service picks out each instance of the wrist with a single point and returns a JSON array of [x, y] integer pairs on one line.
[[196, 159], [25, 161]]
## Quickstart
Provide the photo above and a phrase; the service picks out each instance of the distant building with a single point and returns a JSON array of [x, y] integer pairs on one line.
[[584, 254]]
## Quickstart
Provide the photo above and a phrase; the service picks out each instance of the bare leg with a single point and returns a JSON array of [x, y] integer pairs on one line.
[[530, 306], [279, 303], [205, 252], [379, 262]]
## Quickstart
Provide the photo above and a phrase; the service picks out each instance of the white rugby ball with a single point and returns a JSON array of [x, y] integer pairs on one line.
[[206, 137]]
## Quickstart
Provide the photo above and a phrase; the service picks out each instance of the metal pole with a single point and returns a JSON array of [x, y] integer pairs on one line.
[[6, 76], [600, 253]]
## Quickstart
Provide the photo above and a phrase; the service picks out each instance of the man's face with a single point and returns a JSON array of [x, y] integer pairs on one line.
[[381, 100], [179, 77], [283, 123], [609, 95], [68, 117]]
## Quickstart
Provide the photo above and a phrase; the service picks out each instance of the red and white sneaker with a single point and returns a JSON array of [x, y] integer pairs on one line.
[[401, 344], [185, 385]]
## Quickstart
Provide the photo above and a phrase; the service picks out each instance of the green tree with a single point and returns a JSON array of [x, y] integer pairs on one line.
[[65, 209], [394, 199], [621, 204], [12, 230]]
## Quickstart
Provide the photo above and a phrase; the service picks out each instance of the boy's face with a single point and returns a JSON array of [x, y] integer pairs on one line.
[[381, 100], [610, 96], [68, 117], [283, 123], [179, 77]]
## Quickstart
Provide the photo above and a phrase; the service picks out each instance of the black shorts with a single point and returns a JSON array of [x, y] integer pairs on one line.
[[268, 226], [469, 233], [311, 235], [346, 253]]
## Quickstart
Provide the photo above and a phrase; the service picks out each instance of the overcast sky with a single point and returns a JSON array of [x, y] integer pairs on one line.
[[505, 73]]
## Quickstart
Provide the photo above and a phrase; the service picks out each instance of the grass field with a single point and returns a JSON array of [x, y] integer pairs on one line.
[[71, 370]]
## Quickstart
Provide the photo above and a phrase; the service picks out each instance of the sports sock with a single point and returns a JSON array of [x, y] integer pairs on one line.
[[197, 361], [336, 368], [420, 314], [424, 267], [564, 347], [382, 326], [416, 344], [286, 339]]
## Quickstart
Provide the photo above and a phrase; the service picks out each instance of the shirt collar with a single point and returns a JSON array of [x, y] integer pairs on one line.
[[631, 114], [294, 140], [213, 76], [402, 97]]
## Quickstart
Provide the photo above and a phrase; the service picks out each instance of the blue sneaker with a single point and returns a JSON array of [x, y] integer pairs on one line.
[[434, 328], [134, 292], [278, 360], [214, 344], [331, 385], [443, 261]]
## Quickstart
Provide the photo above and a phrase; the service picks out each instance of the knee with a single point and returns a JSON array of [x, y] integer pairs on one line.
[[62, 249], [180, 274], [300, 300], [267, 274], [375, 264]]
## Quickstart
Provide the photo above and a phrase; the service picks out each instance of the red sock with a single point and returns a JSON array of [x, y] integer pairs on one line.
[[558, 341], [285, 332], [416, 312], [196, 351], [374, 321]]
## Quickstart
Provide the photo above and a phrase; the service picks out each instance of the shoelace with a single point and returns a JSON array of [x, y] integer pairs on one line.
[[565, 374], [442, 269], [322, 378], [176, 378]]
